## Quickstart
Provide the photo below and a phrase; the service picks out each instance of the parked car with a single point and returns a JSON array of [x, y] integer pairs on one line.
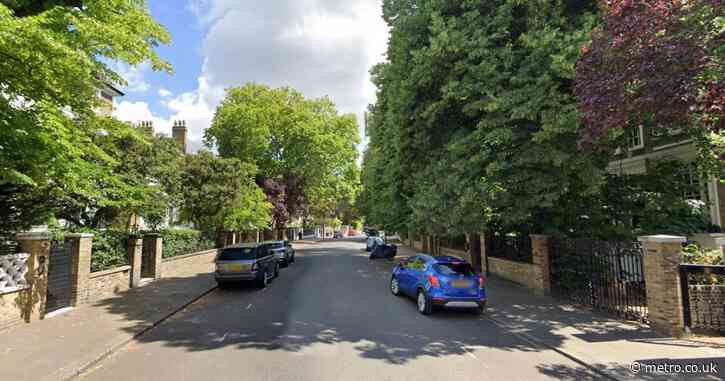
[[283, 251], [289, 253], [372, 242], [338, 234], [247, 262], [442, 281]]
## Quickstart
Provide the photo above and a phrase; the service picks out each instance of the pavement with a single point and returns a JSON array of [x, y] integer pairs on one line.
[[61, 347], [330, 316]]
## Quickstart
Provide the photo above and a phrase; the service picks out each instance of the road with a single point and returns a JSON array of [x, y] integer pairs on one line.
[[330, 316]]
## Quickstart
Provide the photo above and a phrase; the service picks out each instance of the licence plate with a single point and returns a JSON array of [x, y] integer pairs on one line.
[[461, 283], [237, 267]]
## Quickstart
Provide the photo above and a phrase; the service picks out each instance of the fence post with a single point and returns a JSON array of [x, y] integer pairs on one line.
[[37, 244], [484, 253], [662, 257], [153, 248], [80, 246], [541, 258], [135, 247]]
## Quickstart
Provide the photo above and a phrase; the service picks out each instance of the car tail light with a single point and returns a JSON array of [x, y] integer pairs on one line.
[[433, 281], [482, 280]]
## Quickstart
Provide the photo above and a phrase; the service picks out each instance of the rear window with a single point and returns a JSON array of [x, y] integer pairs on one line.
[[238, 253], [454, 269]]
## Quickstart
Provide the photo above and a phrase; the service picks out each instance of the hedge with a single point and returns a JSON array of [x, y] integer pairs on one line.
[[184, 241], [109, 250]]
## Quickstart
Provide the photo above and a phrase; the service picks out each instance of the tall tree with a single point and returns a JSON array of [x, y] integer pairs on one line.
[[54, 55], [658, 63], [221, 193], [476, 124], [303, 148]]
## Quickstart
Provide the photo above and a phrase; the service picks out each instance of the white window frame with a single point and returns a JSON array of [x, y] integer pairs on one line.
[[640, 137]]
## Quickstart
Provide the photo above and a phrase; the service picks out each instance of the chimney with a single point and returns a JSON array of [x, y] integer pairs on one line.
[[147, 126], [178, 132]]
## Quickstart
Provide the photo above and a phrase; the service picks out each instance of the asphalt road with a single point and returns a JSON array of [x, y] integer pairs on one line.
[[330, 316]]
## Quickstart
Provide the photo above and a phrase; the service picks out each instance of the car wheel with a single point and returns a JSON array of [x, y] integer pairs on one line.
[[276, 271], [480, 309], [394, 286], [292, 260], [284, 263], [424, 305], [264, 282]]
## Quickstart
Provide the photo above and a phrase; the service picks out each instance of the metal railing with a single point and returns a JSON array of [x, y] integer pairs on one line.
[[605, 275], [703, 296], [514, 248]]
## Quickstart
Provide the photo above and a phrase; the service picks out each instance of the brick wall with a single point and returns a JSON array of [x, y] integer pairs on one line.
[[11, 312], [190, 264], [525, 274], [103, 284]]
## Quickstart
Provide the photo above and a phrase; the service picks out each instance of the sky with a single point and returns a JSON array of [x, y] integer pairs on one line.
[[320, 47]]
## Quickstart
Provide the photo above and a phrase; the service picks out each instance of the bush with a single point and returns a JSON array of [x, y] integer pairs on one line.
[[184, 241], [109, 249], [692, 253]]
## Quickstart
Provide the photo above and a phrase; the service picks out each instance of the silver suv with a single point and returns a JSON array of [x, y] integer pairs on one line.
[[254, 262]]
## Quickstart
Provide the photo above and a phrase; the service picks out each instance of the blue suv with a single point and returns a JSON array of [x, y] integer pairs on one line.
[[439, 282]]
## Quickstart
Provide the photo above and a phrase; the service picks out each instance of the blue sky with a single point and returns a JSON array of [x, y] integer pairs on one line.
[[321, 47]]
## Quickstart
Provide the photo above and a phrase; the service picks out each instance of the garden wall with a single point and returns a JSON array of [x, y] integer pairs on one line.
[[190, 264], [103, 284], [525, 274]]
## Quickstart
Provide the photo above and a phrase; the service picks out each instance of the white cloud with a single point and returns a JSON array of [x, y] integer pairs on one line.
[[134, 76], [320, 47]]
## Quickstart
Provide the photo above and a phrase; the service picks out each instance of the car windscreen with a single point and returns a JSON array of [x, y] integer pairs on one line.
[[454, 269], [238, 253], [276, 245]]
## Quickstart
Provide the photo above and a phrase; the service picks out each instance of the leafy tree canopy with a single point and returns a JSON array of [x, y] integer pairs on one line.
[[54, 55], [476, 121], [221, 193], [658, 63], [304, 149]]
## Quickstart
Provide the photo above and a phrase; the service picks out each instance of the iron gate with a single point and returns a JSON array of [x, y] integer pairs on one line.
[[605, 275], [59, 278]]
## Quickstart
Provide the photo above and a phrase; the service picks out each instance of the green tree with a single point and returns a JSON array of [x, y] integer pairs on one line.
[[220, 193], [304, 149], [476, 125], [54, 55]]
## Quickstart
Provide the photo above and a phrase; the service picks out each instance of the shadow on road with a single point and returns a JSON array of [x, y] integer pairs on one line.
[[334, 295]]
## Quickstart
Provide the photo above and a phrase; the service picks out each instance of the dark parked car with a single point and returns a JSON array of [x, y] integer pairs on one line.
[[248, 262], [283, 251], [442, 281]]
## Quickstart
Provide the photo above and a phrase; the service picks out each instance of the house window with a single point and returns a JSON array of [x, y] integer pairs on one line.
[[106, 96], [635, 138], [693, 188]]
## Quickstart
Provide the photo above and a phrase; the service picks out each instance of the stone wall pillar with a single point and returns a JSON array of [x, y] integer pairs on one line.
[[80, 246], [662, 257], [135, 250], [541, 252], [37, 244], [153, 247]]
